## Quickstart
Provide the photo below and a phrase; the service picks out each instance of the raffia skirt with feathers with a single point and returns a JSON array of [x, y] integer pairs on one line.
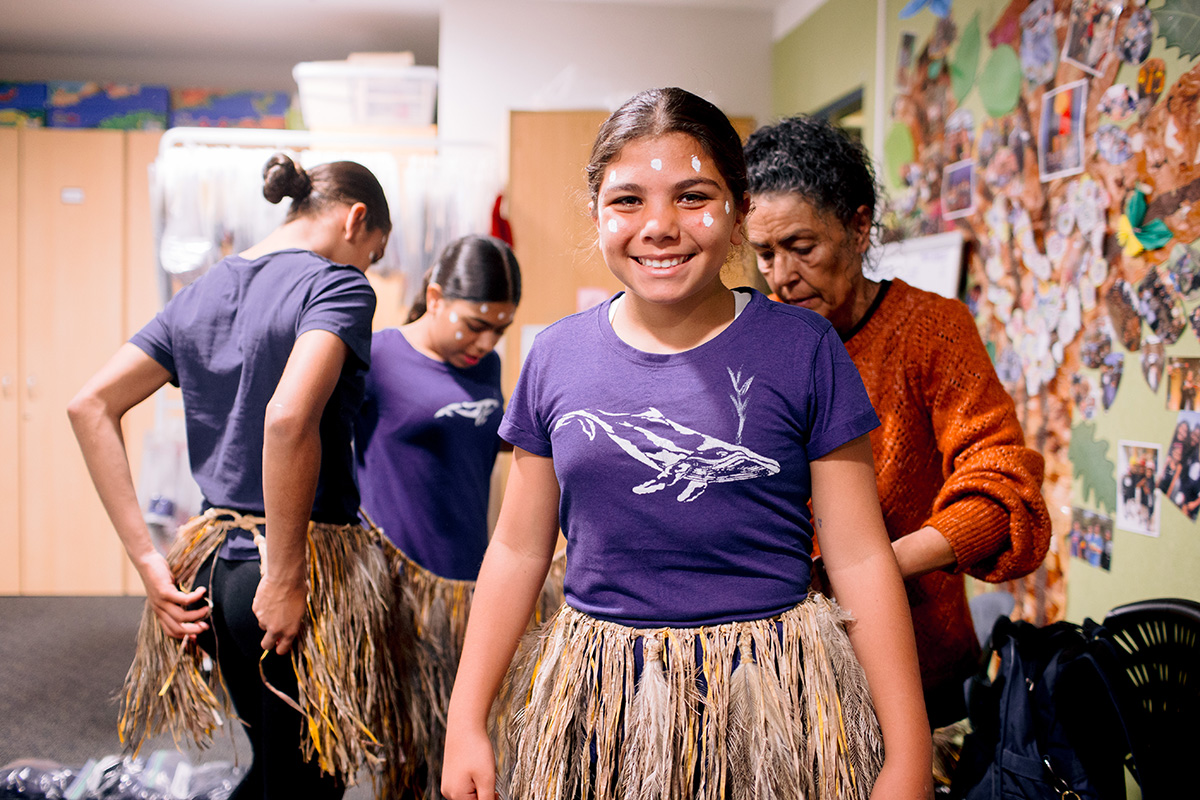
[[342, 660], [775, 708], [432, 617]]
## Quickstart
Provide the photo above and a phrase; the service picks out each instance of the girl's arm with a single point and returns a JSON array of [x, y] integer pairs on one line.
[[863, 574], [291, 465], [128, 378], [510, 580]]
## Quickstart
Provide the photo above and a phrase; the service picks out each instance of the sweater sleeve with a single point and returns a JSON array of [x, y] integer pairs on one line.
[[990, 508]]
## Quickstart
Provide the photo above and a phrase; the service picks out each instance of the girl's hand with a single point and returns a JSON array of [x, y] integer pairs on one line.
[[280, 606], [469, 769], [170, 605], [903, 781]]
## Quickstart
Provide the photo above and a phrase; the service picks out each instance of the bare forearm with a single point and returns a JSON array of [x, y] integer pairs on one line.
[[922, 552], [883, 641], [291, 466], [102, 443], [505, 594]]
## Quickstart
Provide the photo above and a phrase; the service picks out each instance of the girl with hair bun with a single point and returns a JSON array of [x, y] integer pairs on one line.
[[276, 580], [426, 443], [677, 433]]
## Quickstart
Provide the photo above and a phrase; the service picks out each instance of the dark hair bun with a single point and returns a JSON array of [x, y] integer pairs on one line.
[[283, 177]]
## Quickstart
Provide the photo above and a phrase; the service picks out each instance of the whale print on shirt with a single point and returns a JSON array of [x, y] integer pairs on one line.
[[478, 410], [675, 452]]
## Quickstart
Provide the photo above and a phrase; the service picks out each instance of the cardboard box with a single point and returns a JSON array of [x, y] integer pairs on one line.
[[77, 104], [214, 108], [22, 105]]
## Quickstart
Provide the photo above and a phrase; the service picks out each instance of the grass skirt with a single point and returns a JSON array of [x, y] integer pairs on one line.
[[344, 670], [774, 708], [432, 617]]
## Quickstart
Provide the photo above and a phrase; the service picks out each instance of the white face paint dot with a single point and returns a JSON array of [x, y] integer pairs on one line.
[[612, 176], [458, 334], [454, 316], [696, 163], [612, 225], [483, 308], [726, 206], [708, 220], [502, 315], [656, 163]]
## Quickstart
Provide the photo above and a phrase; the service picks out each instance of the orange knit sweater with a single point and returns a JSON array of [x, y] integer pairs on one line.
[[949, 453]]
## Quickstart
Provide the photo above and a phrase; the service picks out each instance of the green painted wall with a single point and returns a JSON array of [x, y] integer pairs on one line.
[[828, 56], [832, 53]]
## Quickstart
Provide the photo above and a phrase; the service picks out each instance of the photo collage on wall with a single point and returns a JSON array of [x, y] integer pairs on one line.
[[1091, 538], [1062, 138]]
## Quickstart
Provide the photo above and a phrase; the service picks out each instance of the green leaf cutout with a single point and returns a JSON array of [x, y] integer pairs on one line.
[[1089, 458], [1179, 25], [1135, 209], [966, 61], [1154, 234], [1000, 81]]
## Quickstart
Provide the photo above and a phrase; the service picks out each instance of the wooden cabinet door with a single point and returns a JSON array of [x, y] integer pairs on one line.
[[9, 378], [71, 261]]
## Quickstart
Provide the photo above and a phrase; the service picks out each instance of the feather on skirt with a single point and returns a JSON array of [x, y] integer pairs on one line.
[[774, 708], [431, 625], [342, 660]]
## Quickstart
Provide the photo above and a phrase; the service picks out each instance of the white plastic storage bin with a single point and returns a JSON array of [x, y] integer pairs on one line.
[[344, 94]]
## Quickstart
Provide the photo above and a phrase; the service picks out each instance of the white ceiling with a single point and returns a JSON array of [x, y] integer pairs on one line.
[[238, 44]]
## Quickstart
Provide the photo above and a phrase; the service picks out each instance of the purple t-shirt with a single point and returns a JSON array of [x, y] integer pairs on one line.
[[225, 340], [426, 441], [685, 477]]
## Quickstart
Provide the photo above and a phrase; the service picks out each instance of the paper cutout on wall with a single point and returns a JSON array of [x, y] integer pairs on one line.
[[1135, 233], [1153, 360], [1092, 467], [1179, 25], [1039, 43], [1097, 343], [1179, 480], [1151, 78], [1091, 538], [1134, 46], [1161, 307], [966, 61], [899, 150], [1110, 378], [1118, 102], [939, 8], [1090, 33], [1000, 82], [1183, 383], [1112, 144], [1137, 501], [1122, 309]]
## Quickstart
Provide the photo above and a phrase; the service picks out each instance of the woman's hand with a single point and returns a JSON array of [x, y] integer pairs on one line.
[[170, 605], [469, 770]]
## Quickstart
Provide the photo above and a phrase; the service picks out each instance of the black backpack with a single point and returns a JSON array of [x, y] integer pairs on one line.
[[1049, 724]]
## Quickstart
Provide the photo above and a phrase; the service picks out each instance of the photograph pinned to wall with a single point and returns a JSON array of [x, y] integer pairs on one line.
[[958, 189], [1183, 270], [960, 135], [1113, 144], [1161, 306], [1183, 381], [1122, 310], [1134, 45], [1090, 33], [1152, 77], [1091, 537], [1194, 318], [1119, 102], [1085, 395], [904, 60], [1039, 43], [1154, 358], [1137, 500], [1060, 137], [1111, 370], [1179, 480], [1097, 342]]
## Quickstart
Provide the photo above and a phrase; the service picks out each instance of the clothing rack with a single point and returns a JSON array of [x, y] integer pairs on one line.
[[304, 140]]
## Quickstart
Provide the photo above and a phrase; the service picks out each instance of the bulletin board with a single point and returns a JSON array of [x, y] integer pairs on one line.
[[1061, 138]]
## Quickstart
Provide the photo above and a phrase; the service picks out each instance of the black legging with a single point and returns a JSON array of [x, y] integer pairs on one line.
[[278, 771]]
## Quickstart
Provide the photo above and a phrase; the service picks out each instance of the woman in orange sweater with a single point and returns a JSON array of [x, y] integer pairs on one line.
[[961, 493]]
